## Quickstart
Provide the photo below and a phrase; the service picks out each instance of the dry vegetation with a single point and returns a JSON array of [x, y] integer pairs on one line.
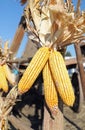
[[50, 23]]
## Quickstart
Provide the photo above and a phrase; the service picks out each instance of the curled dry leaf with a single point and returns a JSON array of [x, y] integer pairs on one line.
[[6, 48], [4, 53], [45, 27], [10, 100], [35, 13], [56, 21], [6, 106]]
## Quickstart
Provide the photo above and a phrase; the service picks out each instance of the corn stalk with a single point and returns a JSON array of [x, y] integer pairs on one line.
[[6, 105]]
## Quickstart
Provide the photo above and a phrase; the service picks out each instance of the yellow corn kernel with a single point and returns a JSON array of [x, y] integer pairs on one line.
[[9, 75], [61, 77], [3, 81], [50, 92], [34, 68]]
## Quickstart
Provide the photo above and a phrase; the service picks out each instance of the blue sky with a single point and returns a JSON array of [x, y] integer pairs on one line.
[[10, 14], [71, 47]]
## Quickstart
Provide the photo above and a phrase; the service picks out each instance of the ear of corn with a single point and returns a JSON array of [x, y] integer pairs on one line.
[[34, 68], [50, 92], [61, 77], [10, 77], [3, 81]]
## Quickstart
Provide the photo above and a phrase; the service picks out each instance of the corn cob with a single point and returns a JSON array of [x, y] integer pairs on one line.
[[3, 81], [9, 75], [61, 77], [34, 68], [50, 92]]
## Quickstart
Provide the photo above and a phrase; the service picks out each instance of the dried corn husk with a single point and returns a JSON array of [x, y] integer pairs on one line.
[[56, 21], [6, 48], [6, 106], [9, 75], [35, 13]]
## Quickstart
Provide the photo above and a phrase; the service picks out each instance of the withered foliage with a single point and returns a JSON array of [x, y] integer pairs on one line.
[[54, 22]]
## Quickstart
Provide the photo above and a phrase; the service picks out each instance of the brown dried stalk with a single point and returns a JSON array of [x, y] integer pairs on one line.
[[78, 8], [69, 5], [6, 105], [4, 53], [30, 29]]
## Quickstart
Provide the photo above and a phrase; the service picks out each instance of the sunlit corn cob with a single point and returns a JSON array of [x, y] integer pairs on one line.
[[3, 81], [3, 124], [34, 68], [50, 92], [9, 75], [61, 77]]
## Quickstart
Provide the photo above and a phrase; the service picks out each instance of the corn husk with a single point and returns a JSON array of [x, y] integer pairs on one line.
[[56, 21], [6, 105]]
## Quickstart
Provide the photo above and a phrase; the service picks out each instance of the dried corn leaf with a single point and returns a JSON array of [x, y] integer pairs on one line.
[[6, 105], [56, 21], [6, 48], [9, 101], [45, 26], [33, 37], [58, 6], [35, 12]]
